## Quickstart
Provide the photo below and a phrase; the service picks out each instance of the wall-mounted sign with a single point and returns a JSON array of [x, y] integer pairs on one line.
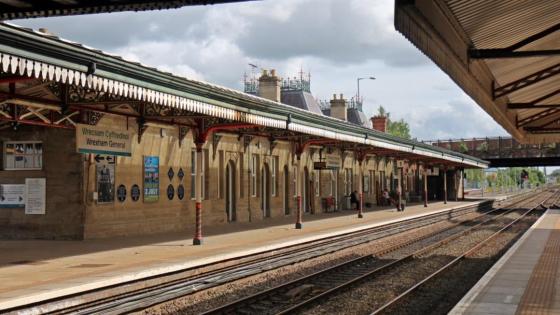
[[170, 192], [105, 178], [103, 140], [12, 196], [121, 193], [151, 178], [180, 192], [135, 192], [35, 195]]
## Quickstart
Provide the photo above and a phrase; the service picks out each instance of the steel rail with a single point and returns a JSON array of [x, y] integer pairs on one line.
[[456, 260], [394, 228], [271, 292]]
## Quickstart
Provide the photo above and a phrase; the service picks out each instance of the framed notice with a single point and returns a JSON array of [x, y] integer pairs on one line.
[[105, 178], [35, 195], [151, 178]]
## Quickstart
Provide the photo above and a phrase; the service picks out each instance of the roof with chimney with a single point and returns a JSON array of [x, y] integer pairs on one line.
[[300, 99], [43, 56]]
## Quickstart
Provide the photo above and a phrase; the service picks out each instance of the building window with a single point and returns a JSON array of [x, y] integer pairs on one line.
[[254, 168], [295, 175], [317, 183], [23, 155], [365, 183], [348, 181], [372, 182], [274, 168], [193, 175]]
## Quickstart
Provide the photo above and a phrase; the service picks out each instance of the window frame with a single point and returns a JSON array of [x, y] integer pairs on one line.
[[193, 175], [5, 154], [254, 167], [273, 186]]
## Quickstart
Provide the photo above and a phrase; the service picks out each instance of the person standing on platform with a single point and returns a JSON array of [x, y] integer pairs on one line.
[[355, 199]]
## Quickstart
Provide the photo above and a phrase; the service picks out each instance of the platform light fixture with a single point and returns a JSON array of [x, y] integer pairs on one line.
[[358, 81]]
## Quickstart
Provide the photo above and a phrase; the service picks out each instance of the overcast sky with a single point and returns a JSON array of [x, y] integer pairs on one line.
[[336, 40]]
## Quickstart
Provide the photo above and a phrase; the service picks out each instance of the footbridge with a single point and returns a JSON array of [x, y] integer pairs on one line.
[[504, 151]]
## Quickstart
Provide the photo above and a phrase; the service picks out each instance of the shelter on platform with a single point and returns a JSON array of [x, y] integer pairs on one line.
[[106, 147]]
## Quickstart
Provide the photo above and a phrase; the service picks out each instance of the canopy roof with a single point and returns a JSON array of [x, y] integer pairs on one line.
[[37, 55], [20, 9], [505, 54]]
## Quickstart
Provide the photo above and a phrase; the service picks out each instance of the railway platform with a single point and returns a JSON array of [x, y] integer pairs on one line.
[[524, 280], [36, 270]]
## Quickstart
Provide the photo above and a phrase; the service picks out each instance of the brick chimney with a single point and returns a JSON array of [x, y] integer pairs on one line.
[[269, 86], [339, 108], [379, 123]]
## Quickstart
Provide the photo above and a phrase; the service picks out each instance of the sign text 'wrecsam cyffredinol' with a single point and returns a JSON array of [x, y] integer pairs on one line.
[[103, 140]]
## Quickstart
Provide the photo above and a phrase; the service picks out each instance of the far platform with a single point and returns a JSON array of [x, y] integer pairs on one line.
[[525, 279], [35, 270]]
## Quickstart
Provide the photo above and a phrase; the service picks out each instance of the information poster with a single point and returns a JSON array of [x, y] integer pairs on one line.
[[151, 178], [12, 196], [105, 178], [35, 195]]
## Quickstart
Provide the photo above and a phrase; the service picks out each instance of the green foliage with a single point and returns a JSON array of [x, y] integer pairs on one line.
[[508, 177], [483, 147], [399, 128], [463, 147]]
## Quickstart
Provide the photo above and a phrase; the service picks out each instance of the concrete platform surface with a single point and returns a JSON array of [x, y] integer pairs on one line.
[[34, 270], [524, 280]]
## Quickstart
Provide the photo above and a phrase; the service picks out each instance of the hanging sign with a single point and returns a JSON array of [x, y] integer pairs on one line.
[[434, 171], [103, 140], [332, 161], [12, 196], [151, 178], [35, 195]]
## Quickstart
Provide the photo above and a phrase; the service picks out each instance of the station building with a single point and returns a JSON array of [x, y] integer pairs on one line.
[[95, 146]]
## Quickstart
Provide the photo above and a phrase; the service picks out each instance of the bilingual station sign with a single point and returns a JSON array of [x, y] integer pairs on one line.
[[103, 140]]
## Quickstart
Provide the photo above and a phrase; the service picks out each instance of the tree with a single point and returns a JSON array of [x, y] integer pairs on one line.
[[399, 128]]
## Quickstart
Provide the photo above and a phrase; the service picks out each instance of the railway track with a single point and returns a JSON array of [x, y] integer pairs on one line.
[[134, 299], [395, 305], [297, 295]]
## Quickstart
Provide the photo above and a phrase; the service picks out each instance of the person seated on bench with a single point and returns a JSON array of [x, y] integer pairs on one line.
[[386, 198], [355, 199]]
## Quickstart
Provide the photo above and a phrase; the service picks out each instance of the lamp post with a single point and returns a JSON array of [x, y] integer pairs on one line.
[[358, 81]]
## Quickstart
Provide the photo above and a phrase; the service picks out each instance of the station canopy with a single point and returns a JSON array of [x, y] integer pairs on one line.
[[505, 54], [52, 82], [20, 9]]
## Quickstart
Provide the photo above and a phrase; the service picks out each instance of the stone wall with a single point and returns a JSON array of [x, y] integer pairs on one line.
[[73, 212]]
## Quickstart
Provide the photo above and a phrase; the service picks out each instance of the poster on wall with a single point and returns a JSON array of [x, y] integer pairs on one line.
[[12, 196], [105, 177], [151, 178], [35, 195]]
